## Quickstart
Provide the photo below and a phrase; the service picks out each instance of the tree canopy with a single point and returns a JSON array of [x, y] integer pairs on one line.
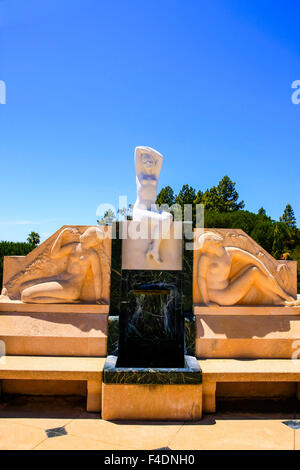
[[224, 209], [166, 196], [108, 218], [288, 217], [34, 238]]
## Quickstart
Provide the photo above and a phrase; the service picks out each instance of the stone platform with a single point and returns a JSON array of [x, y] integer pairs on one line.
[[54, 329], [152, 393], [247, 332]]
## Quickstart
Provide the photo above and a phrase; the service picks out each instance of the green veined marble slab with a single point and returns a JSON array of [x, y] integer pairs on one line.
[[191, 374]]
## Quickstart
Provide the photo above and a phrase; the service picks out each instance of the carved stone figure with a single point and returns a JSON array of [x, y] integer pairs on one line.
[[226, 274], [148, 164], [79, 257]]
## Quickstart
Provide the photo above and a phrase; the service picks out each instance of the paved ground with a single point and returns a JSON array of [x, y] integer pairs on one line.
[[25, 420]]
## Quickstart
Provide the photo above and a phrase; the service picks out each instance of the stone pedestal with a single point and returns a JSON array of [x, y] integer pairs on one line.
[[55, 300], [152, 394], [259, 332], [135, 243], [54, 329]]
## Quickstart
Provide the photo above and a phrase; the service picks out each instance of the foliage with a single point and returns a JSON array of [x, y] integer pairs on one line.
[[108, 218], [33, 238], [13, 249], [222, 198], [186, 195], [282, 236], [288, 217], [166, 196], [262, 212], [295, 255], [224, 210]]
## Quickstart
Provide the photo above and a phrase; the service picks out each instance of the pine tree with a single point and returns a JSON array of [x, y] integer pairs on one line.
[[281, 235], [108, 218], [186, 195], [262, 212], [228, 195], [288, 217], [222, 198], [199, 197], [166, 196], [211, 199]]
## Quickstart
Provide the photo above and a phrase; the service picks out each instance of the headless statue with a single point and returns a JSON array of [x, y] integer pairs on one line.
[[148, 165], [67, 286], [215, 264]]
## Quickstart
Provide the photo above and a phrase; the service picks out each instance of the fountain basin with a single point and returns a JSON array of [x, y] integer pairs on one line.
[[130, 393]]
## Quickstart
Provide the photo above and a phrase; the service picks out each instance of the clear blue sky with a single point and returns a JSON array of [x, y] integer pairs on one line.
[[207, 83]]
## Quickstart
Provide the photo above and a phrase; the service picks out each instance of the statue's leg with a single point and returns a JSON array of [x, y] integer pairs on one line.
[[156, 240], [160, 221], [159, 227], [238, 288], [273, 286], [50, 292]]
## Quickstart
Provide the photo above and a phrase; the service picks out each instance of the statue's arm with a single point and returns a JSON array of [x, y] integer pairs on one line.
[[144, 179], [248, 258], [57, 251], [96, 268], [202, 278]]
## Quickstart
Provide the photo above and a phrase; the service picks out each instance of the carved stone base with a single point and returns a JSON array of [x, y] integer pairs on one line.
[[152, 393], [44, 330], [247, 332], [152, 402]]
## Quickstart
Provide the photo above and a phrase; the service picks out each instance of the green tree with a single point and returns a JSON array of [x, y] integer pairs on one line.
[[186, 195], [263, 233], [296, 257], [281, 235], [288, 217], [166, 196], [34, 238], [108, 218], [211, 200], [262, 212], [199, 197], [223, 198], [126, 212], [13, 249], [228, 196]]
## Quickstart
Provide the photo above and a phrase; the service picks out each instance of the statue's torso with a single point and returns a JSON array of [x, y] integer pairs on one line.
[[218, 271], [78, 263], [146, 190]]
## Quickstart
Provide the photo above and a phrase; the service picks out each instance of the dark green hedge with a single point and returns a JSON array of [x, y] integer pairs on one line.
[[13, 249]]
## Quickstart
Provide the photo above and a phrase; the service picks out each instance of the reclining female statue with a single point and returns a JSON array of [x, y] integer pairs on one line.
[[215, 264], [66, 287], [148, 165]]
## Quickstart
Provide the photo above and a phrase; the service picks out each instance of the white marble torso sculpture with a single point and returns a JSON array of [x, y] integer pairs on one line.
[[148, 164]]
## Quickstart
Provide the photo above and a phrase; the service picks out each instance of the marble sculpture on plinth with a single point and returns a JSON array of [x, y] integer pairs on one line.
[[148, 164]]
